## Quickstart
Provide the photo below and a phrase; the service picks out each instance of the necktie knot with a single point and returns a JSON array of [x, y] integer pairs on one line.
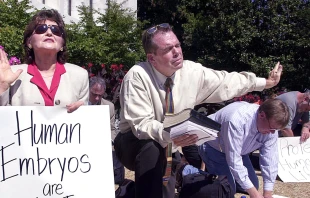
[[168, 83]]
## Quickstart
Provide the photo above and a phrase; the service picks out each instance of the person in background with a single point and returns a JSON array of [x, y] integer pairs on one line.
[[168, 84], [245, 127], [46, 79], [97, 87], [299, 106]]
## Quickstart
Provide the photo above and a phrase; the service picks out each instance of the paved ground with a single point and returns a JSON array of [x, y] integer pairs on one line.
[[291, 190]]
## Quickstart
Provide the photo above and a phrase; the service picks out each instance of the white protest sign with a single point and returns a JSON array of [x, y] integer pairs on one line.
[[294, 160], [46, 152]]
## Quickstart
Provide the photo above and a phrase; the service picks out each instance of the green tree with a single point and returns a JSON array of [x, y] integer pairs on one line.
[[113, 38], [249, 35], [153, 12], [14, 16]]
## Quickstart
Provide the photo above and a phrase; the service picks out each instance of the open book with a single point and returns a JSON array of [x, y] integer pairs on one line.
[[189, 121]]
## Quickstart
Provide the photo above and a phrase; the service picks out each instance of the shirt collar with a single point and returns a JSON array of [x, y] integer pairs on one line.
[[162, 78], [38, 79], [32, 69]]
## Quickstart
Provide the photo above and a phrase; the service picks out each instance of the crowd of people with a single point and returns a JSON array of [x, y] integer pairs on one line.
[[164, 84]]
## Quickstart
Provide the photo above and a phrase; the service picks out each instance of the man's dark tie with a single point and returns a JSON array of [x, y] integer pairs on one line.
[[169, 98], [169, 110]]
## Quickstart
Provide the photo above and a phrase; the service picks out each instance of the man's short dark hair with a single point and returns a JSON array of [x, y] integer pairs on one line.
[[276, 110], [147, 38]]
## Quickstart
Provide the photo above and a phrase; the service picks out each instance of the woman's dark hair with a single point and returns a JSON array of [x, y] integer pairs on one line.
[[39, 18]]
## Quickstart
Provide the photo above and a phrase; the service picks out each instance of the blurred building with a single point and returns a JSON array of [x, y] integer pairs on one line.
[[69, 10]]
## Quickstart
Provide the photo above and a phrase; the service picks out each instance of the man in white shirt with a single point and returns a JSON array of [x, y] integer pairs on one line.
[[141, 144]]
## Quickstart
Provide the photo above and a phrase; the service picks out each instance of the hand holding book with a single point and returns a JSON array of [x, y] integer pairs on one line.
[[185, 140], [190, 122]]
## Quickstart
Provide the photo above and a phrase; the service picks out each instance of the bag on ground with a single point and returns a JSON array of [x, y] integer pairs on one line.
[[204, 185]]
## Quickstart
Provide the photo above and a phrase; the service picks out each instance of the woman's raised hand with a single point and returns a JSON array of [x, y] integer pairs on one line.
[[7, 76]]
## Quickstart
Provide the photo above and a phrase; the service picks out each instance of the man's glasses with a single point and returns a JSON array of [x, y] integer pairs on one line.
[[307, 95], [42, 28], [270, 128], [96, 95], [153, 29]]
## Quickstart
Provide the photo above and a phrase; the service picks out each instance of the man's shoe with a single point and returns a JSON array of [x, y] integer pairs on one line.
[[126, 189]]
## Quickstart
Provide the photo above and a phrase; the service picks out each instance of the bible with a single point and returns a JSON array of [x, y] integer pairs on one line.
[[190, 121]]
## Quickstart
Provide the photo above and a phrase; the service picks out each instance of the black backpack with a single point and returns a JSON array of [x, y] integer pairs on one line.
[[204, 185]]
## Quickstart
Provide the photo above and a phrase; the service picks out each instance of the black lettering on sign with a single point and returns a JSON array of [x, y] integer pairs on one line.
[[49, 133], [3, 163], [49, 190]]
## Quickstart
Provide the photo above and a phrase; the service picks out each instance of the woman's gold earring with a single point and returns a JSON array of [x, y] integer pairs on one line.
[[29, 46], [61, 49]]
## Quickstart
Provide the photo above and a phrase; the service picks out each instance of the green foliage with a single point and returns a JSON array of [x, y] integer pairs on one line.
[[15, 13], [14, 16], [115, 40], [250, 35], [154, 12]]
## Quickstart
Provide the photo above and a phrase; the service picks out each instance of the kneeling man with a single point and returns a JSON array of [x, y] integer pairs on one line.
[[245, 128]]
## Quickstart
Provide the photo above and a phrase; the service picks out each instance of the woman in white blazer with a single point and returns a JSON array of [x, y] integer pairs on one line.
[[46, 79]]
